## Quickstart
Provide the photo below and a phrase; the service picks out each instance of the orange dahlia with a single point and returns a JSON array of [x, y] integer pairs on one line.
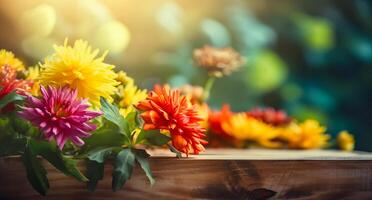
[[216, 118], [167, 109]]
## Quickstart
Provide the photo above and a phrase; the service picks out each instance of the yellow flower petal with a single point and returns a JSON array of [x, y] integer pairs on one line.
[[8, 58], [79, 67], [345, 141]]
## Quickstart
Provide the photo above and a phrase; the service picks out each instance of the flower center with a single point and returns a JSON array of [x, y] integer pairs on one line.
[[60, 110], [77, 75]]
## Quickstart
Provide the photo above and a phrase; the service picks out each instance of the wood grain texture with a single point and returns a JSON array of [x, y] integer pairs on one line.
[[197, 178]]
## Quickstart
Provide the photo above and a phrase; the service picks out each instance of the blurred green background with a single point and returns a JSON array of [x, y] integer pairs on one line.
[[311, 58]]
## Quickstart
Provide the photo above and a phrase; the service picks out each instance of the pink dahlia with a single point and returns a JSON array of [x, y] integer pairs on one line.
[[60, 115]]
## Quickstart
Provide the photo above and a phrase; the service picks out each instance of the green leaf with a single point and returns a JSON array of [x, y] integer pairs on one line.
[[139, 120], [107, 136], [174, 150], [6, 129], [100, 155], [142, 158], [52, 154], [131, 119], [123, 168], [141, 136], [12, 147], [95, 172], [36, 173], [20, 125], [71, 169], [13, 96], [156, 138], [95, 166], [134, 120], [111, 113]]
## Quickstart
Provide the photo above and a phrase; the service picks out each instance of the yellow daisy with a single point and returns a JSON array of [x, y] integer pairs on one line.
[[33, 74], [345, 141], [8, 58], [243, 127], [307, 135], [203, 111], [129, 94], [79, 67], [123, 78]]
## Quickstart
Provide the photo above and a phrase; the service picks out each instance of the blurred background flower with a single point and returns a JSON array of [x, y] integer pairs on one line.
[[312, 60]]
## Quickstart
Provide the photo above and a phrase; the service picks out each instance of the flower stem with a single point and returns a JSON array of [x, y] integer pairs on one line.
[[207, 88]]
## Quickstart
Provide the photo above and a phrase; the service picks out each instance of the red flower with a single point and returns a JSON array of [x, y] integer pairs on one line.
[[270, 116], [217, 117], [10, 83], [166, 109]]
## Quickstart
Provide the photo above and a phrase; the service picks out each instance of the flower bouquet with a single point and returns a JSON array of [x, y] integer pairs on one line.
[[74, 106]]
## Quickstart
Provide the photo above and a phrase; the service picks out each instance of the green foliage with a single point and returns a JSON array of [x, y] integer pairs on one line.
[[134, 120], [100, 155], [12, 134], [112, 139], [7, 132], [95, 166], [54, 156], [36, 173], [156, 138], [12, 147], [106, 136], [95, 172], [152, 137], [142, 158], [123, 168], [23, 127], [11, 97], [111, 113]]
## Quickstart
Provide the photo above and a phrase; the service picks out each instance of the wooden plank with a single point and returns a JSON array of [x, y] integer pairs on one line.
[[270, 154], [213, 178]]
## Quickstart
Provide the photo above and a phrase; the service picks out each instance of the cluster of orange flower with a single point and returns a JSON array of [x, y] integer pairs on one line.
[[184, 114], [265, 127]]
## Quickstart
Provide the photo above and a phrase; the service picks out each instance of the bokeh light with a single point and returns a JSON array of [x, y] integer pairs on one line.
[[313, 61]]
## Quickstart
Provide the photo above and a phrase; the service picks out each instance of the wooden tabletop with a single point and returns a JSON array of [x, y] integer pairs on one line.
[[268, 154], [254, 174]]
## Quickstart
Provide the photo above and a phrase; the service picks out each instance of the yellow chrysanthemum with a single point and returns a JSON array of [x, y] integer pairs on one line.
[[345, 141], [203, 111], [123, 78], [8, 58], [33, 74], [243, 127], [79, 67], [130, 95], [307, 135]]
